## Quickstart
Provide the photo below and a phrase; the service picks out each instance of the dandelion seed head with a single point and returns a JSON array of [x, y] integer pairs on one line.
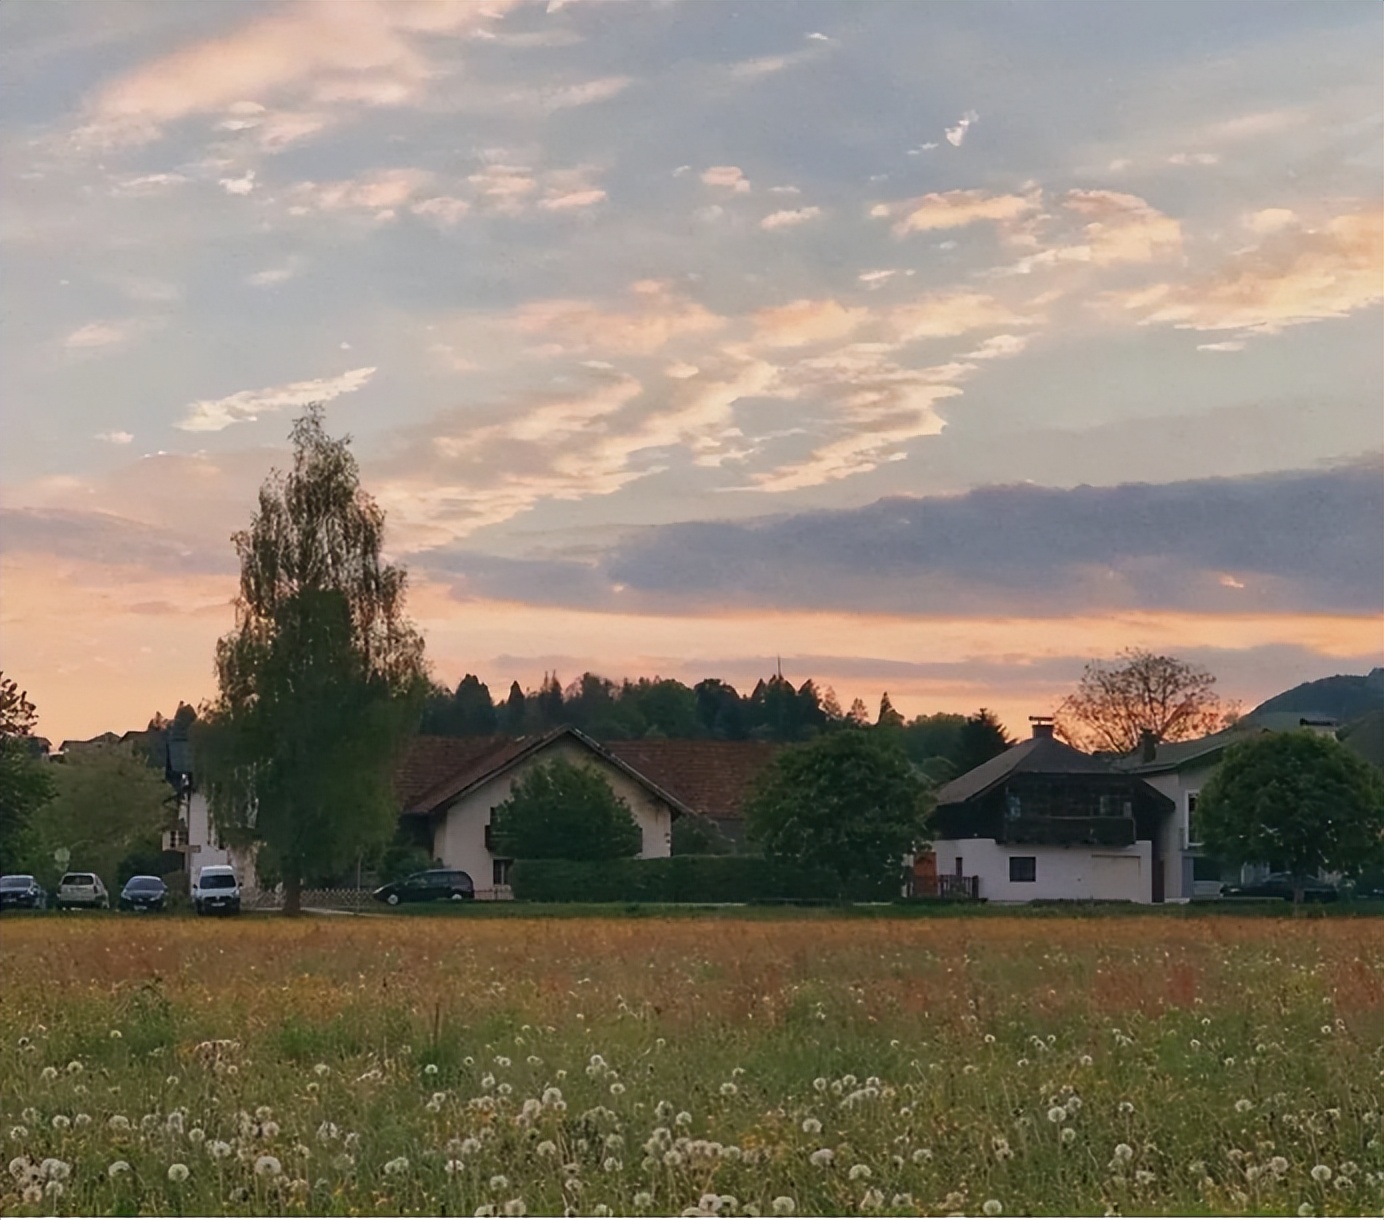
[[177, 1172]]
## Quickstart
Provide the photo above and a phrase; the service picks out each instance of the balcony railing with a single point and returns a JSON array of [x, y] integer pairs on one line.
[[1111, 831], [947, 885]]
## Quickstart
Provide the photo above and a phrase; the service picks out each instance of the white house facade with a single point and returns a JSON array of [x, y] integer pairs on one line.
[[1045, 822], [453, 815]]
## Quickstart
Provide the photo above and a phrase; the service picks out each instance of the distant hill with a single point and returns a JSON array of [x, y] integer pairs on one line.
[[1342, 698], [1366, 737]]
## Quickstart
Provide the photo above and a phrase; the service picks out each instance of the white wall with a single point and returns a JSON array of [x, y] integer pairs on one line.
[[459, 841], [1073, 873], [202, 849], [1179, 786]]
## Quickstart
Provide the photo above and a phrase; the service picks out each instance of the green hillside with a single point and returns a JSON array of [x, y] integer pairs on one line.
[[1343, 698]]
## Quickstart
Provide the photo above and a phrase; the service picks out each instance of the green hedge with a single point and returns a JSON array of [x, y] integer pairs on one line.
[[681, 879]]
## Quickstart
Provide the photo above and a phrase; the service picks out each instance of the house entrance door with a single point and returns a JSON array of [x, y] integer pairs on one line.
[[925, 874]]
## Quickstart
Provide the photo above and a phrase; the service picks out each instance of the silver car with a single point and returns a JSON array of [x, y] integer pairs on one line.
[[81, 890]]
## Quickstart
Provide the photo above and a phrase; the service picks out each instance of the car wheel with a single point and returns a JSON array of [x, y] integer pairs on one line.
[[393, 900]]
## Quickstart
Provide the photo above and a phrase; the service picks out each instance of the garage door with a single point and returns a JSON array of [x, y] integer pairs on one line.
[[1117, 878]]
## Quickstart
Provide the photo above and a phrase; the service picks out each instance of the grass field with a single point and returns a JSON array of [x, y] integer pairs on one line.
[[803, 1064]]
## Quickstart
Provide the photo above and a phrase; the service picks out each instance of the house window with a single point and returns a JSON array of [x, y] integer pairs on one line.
[[958, 866], [1013, 806], [489, 837], [1107, 805], [1193, 822], [1023, 868], [499, 872]]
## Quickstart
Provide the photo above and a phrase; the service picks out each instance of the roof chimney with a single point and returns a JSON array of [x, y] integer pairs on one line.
[[1148, 745], [1042, 725]]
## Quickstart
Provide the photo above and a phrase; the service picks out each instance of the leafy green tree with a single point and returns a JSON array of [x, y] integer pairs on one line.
[[932, 736], [562, 811], [26, 779], [668, 708], [694, 835], [1299, 801], [108, 804], [468, 711], [720, 710], [322, 680], [848, 802], [980, 739], [1114, 703]]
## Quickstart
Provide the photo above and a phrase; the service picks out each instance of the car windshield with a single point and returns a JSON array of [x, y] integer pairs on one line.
[[79, 879], [15, 883], [144, 883], [218, 881]]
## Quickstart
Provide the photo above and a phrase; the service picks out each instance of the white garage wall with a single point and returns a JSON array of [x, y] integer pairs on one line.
[[1106, 873]]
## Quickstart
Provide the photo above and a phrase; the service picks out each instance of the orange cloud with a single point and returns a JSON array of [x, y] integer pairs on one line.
[[955, 209], [1297, 274], [657, 317], [367, 51]]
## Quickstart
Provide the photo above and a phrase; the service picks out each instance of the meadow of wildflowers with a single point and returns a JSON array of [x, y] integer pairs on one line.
[[993, 1067]]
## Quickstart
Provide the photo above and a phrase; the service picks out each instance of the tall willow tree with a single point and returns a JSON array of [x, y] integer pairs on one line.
[[322, 680]]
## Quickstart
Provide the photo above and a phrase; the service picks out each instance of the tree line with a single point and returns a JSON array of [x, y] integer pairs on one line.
[[944, 744]]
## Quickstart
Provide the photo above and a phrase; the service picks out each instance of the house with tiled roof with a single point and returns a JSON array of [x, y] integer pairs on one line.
[[1045, 821], [1180, 769], [449, 788]]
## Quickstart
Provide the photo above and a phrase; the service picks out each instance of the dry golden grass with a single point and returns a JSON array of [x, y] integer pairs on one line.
[[1218, 1065]]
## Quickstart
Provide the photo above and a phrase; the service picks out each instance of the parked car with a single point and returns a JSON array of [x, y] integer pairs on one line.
[[81, 890], [214, 889], [445, 884], [1281, 885], [21, 890], [144, 894]]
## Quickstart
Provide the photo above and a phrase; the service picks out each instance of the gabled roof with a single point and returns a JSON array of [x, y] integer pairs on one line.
[[1174, 755], [438, 770], [712, 778], [1036, 756]]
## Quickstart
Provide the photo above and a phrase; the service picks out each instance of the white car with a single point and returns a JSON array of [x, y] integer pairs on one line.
[[81, 890], [214, 889]]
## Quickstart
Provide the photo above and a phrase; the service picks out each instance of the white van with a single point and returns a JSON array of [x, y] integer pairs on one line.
[[215, 889]]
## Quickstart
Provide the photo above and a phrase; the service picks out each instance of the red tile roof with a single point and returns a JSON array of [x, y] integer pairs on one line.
[[437, 767], [707, 777]]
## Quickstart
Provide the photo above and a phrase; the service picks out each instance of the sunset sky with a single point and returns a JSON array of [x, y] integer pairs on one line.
[[931, 348]]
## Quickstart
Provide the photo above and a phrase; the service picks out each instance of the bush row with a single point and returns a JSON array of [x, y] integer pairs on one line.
[[684, 879]]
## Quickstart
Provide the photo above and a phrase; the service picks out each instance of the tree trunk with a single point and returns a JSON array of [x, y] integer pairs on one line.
[[293, 893], [1297, 898]]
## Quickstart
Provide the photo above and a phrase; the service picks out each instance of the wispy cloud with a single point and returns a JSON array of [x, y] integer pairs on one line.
[[1297, 274], [789, 218], [97, 335], [371, 52], [956, 136], [955, 209], [115, 438], [244, 406]]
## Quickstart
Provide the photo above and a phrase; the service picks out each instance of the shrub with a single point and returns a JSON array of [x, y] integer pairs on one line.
[[675, 879]]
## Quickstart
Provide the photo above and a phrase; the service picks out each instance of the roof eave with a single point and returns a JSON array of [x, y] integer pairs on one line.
[[433, 801]]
